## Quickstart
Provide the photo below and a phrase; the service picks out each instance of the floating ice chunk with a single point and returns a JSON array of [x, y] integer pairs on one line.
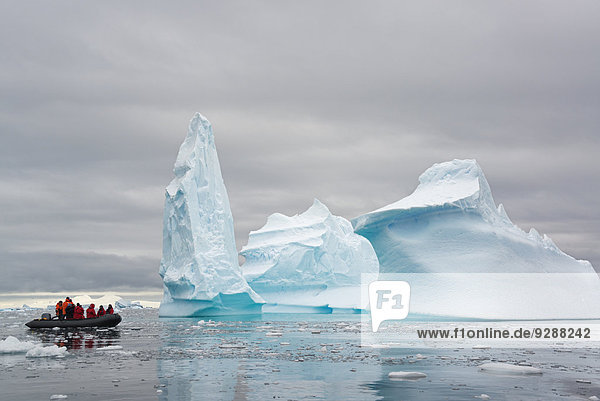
[[232, 346], [110, 348], [376, 346], [199, 266], [594, 398], [403, 375], [43, 352], [483, 397], [508, 369], [58, 397], [12, 345], [583, 381]]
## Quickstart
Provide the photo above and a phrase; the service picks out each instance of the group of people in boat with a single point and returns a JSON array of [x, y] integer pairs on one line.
[[68, 310]]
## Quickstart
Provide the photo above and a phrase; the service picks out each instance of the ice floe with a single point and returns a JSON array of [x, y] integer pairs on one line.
[[44, 352], [403, 375], [508, 369], [12, 345], [110, 348]]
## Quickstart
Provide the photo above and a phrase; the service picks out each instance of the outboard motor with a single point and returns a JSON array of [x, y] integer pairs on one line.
[[46, 316]]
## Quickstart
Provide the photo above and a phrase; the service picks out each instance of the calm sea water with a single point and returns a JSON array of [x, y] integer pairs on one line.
[[281, 357]]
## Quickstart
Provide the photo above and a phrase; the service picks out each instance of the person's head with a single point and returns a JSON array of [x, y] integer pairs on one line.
[[109, 305], [78, 304], [60, 302], [92, 305], [101, 307]]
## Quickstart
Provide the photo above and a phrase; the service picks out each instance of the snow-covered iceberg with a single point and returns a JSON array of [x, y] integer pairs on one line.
[[450, 224], [308, 262], [199, 266]]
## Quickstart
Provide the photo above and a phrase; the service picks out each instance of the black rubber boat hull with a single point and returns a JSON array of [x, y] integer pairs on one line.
[[102, 321]]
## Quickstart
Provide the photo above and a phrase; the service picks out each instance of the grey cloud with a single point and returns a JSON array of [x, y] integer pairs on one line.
[[60, 271], [344, 101]]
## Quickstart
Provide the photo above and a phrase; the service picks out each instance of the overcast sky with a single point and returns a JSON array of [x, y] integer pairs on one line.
[[344, 101]]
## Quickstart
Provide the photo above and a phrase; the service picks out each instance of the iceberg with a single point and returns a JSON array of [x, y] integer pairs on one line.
[[451, 224], [199, 267], [310, 262], [450, 231]]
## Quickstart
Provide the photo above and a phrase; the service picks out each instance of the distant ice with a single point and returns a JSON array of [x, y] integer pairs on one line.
[[47, 301], [136, 304]]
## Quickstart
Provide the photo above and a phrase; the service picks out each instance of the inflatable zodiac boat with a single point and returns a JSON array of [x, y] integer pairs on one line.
[[102, 321]]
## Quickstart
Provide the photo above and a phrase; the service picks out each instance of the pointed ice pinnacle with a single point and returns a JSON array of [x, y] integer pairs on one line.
[[199, 267]]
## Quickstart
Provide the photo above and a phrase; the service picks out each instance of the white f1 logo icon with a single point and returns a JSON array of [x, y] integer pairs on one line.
[[389, 300]]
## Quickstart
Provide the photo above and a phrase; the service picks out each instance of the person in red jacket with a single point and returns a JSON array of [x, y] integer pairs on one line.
[[90, 312], [78, 312], [101, 311], [109, 310], [59, 310], [65, 304]]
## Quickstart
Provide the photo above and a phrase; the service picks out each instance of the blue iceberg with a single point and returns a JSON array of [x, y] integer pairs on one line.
[[464, 257], [310, 262], [450, 224], [317, 262], [199, 267]]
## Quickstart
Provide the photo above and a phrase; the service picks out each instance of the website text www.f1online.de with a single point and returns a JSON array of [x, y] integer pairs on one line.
[[537, 333]]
